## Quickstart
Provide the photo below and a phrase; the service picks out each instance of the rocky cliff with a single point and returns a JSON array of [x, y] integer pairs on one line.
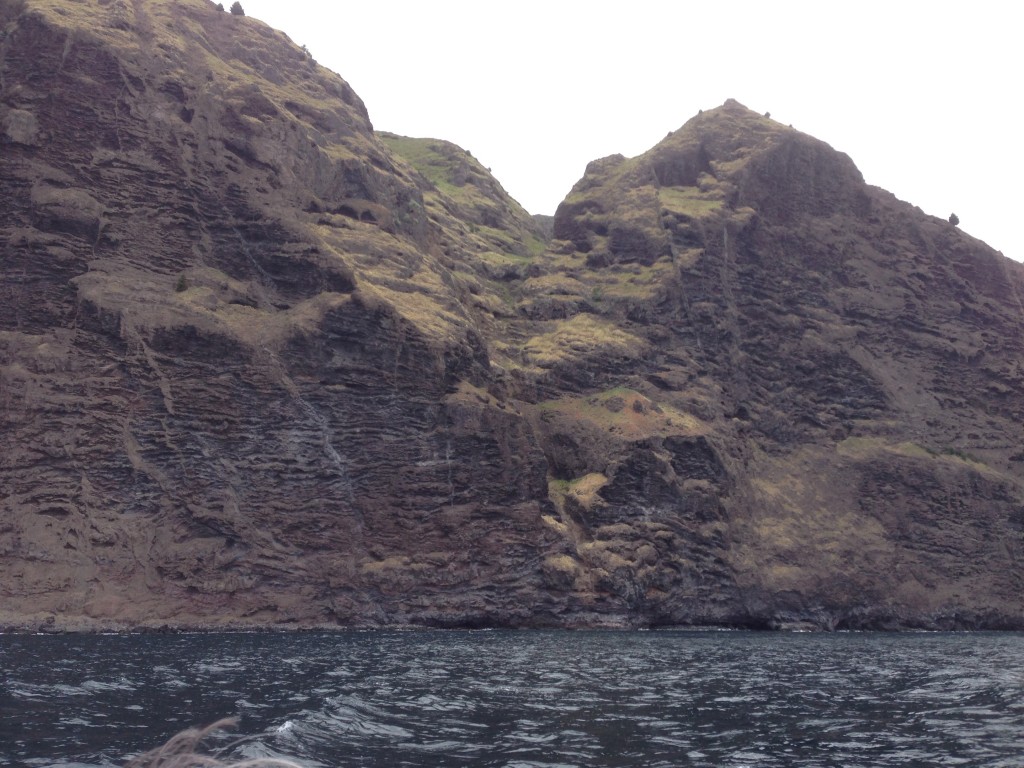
[[260, 365]]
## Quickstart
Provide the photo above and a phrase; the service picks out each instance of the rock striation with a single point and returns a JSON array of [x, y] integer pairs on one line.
[[263, 366]]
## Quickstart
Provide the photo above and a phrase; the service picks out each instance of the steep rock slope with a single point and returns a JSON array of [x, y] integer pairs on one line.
[[239, 368], [262, 366]]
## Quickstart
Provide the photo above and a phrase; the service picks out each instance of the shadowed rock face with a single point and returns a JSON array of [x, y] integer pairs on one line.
[[262, 366]]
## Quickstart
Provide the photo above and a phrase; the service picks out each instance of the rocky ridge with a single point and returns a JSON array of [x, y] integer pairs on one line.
[[262, 366]]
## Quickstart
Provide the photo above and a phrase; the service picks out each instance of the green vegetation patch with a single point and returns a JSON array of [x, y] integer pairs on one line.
[[451, 169], [865, 447], [580, 338], [503, 259], [688, 201], [556, 284], [428, 156], [500, 237], [585, 491], [464, 195], [633, 281], [625, 413]]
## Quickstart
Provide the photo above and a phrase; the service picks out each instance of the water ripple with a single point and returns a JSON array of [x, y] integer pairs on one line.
[[524, 698]]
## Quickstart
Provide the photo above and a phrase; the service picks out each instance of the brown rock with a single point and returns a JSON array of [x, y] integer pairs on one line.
[[262, 366]]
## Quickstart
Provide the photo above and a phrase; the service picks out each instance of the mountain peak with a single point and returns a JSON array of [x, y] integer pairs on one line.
[[723, 159]]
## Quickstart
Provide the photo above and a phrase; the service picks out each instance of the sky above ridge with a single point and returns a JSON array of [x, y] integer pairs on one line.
[[924, 97]]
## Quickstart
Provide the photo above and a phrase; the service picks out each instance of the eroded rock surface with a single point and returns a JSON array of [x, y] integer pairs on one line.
[[262, 366]]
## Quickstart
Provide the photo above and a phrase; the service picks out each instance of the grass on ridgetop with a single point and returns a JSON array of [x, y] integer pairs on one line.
[[425, 155], [441, 163], [193, 41], [464, 193]]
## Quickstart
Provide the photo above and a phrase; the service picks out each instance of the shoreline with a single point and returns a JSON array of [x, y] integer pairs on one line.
[[53, 625]]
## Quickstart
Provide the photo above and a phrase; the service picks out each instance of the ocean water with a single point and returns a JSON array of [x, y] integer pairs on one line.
[[517, 699]]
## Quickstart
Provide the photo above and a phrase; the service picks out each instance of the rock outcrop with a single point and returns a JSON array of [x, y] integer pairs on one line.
[[262, 366]]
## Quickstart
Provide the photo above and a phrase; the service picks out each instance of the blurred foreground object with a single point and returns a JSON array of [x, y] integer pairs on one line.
[[182, 751]]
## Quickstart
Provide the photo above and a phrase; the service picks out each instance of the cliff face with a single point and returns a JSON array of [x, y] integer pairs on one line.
[[852, 372], [260, 365], [241, 376]]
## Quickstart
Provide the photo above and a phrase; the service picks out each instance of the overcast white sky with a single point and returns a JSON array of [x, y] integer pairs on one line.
[[925, 97]]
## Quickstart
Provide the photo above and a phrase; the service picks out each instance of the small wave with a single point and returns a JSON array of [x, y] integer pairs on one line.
[[99, 685]]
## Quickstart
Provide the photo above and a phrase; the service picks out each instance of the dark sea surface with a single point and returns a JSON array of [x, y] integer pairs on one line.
[[517, 699]]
